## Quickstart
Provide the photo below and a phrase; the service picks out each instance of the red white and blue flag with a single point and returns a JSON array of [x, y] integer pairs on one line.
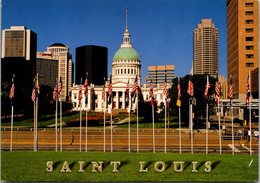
[[127, 93], [165, 91], [206, 90], [33, 93], [110, 90], [190, 90], [178, 103], [217, 91], [80, 91], [60, 87], [230, 88], [135, 87], [54, 95], [86, 89], [11, 95], [151, 92], [248, 90]]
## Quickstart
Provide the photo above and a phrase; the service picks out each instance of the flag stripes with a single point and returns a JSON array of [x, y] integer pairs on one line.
[[217, 91], [206, 90], [60, 87], [151, 93], [11, 95], [190, 90], [247, 90], [230, 88], [54, 93]]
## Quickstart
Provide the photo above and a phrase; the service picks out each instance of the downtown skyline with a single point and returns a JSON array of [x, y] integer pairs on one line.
[[161, 31]]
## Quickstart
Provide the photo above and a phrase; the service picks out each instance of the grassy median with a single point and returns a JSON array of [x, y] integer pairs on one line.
[[31, 166]]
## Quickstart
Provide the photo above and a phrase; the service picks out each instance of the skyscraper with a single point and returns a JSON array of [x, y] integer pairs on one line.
[[60, 52], [47, 67], [159, 73], [205, 48], [91, 59], [19, 46], [242, 42]]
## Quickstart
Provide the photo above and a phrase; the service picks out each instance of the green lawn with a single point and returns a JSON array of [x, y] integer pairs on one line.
[[43, 121], [31, 166]]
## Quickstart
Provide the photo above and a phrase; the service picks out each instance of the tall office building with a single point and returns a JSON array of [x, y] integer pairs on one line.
[[242, 42], [47, 67], [91, 59], [205, 48], [159, 73], [19, 46], [60, 52]]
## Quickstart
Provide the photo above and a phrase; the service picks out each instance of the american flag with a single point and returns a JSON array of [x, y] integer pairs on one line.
[[60, 87], [54, 93], [165, 92], [86, 88], [217, 93], [110, 90], [127, 93], [33, 93], [190, 90], [104, 93], [80, 91], [179, 89], [135, 87], [230, 88], [11, 95], [206, 90], [247, 90], [38, 86], [178, 103], [151, 92]]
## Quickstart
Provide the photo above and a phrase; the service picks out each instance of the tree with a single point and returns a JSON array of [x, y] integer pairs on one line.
[[199, 110]]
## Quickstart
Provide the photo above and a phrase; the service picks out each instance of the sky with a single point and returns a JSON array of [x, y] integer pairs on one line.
[[161, 30]]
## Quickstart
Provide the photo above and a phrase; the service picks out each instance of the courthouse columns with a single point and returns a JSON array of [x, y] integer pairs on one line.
[[117, 100], [123, 100]]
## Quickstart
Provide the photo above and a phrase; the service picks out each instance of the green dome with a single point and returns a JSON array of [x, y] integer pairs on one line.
[[126, 53]]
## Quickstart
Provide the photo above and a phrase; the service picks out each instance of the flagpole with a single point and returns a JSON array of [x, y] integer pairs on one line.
[[129, 132], [12, 113], [233, 147], [137, 123], [180, 127], [207, 119], [111, 124], [104, 107], [165, 125], [250, 138], [219, 131], [56, 121], [86, 130], [60, 125], [34, 121], [153, 129], [80, 125], [191, 125]]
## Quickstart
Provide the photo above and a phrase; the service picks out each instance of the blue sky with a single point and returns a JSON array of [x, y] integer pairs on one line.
[[161, 30]]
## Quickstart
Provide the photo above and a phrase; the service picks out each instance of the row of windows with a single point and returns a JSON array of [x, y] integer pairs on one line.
[[249, 64], [125, 71], [249, 30], [249, 47], [249, 55], [249, 4], [249, 38], [249, 21], [249, 13]]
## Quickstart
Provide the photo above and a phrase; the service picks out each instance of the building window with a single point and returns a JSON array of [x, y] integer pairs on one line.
[[249, 4], [249, 38], [249, 30], [249, 21], [249, 47], [249, 55], [249, 64], [249, 12]]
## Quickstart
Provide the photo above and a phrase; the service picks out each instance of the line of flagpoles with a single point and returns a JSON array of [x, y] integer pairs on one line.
[[57, 96]]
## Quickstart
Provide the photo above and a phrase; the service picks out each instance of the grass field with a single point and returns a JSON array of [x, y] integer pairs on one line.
[[31, 166]]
